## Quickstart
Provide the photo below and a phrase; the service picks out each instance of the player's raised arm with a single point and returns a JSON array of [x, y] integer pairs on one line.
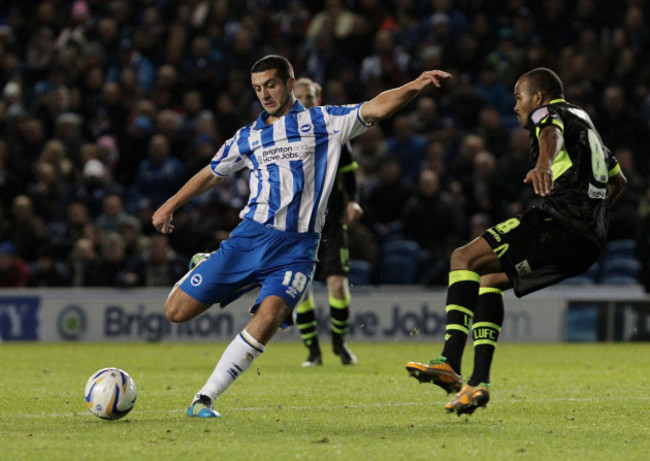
[[387, 103], [198, 184], [541, 177]]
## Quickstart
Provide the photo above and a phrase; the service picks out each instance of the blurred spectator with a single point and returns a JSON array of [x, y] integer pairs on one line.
[[386, 197], [483, 189], [159, 176], [492, 130], [113, 214], [512, 167], [643, 243], [84, 265], [131, 231], [388, 65], [407, 147], [113, 259], [158, 266], [131, 58], [25, 229], [95, 184], [334, 20], [494, 92], [478, 223], [47, 192], [370, 150], [432, 218], [47, 270], [14, 272], [65, 236], [10, 184], [624, 217], [619, 125]]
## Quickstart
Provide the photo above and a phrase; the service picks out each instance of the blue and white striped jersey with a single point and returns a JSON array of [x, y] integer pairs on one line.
[[292, 162]]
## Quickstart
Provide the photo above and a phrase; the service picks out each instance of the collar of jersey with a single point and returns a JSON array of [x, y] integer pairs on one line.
[[555, 101], [260, 123]]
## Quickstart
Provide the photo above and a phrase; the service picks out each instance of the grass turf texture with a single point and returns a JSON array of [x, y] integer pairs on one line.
[[566, 401]]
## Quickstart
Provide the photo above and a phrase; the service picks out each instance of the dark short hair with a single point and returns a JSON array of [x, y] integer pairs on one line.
[[277, 62], [545, 81]]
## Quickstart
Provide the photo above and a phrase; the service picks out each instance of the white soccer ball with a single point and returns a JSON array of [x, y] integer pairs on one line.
[[110, 393]]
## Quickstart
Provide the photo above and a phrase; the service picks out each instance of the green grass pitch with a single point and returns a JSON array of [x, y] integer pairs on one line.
[[561, 401]]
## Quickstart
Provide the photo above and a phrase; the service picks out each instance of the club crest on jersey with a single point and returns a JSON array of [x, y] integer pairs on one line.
[[306, 128], [196, 280], [539, 114]]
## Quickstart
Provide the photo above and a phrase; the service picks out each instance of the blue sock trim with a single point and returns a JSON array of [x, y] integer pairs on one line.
[[250, 344]]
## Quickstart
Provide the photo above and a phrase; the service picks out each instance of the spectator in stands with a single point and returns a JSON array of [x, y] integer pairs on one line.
[[48, 192], [386, 198], [26, 230], [14, 272], [407, 147], [388, 66], [48, 270], [84, 265], [94, 185], [157, 266], [113, 213], [131, 58], [10, 184], [113, 259], [158, 177], [483, 189], [432, 218]]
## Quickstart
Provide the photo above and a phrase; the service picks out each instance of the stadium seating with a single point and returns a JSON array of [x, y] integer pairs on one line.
[[399, 262], [619, 280], [623, 248], [360, 272], [622, 266]]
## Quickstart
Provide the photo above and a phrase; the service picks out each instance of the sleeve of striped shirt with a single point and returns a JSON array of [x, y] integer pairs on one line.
[[230, 157], [347, 121]]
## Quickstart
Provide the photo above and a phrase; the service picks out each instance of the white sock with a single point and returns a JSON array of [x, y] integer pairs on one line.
[[236, 359]]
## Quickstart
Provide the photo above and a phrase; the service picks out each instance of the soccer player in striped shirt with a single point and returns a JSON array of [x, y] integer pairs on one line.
[[292, 154]]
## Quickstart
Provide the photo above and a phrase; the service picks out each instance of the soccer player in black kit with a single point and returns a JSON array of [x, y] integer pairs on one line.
[[333, 256], [577, 179]]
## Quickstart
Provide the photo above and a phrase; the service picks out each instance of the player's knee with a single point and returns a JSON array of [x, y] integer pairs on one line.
[[498, 280], [461, 259], [337, 286]]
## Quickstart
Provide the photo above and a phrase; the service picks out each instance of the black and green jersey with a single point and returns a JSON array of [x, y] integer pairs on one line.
[[345, 184], [580, 170]]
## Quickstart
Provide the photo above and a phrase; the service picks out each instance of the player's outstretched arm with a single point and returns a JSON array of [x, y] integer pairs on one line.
[[387, 103], [198, 184]]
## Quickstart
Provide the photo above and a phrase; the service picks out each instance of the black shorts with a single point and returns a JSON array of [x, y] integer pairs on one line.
[[536, 251], [333, 253]]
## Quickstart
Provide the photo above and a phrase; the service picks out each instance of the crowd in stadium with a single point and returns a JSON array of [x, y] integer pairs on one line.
[[108, 107]]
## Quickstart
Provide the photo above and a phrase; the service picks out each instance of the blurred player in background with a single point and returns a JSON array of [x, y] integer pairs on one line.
[[293, 157], [333, 255], [577, 179]]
